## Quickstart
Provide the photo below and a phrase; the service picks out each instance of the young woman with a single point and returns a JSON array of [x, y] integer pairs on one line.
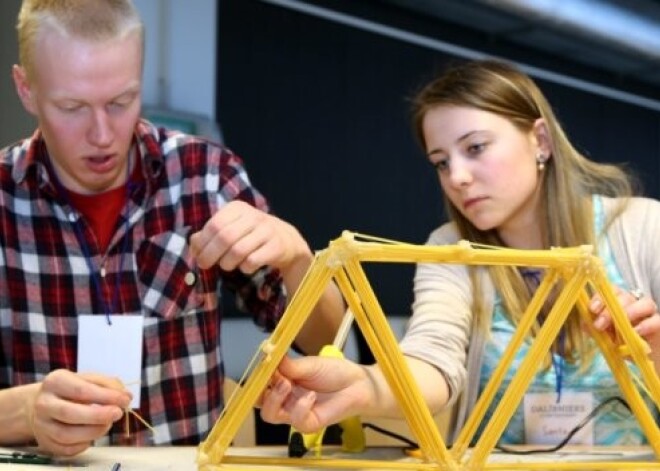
[[510, 178]]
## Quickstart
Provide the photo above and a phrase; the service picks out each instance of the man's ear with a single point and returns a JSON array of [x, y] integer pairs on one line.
[[23, 88], [542, 135]]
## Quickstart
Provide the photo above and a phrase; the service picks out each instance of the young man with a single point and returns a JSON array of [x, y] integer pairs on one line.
[[116, 233]]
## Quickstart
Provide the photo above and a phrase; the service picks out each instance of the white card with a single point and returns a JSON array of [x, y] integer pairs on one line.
[[548, 422], [114, 350]]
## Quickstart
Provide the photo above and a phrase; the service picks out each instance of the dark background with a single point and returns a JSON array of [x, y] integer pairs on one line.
[[319, 112]]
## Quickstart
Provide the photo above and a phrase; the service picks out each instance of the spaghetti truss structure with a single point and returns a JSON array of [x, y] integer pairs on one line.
[[576, 272]]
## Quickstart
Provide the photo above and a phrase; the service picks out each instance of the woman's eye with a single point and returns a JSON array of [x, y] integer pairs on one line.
[[441, 165], [476, 148]]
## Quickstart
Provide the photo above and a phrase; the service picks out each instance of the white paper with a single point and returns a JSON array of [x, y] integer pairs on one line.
[[114, 350]]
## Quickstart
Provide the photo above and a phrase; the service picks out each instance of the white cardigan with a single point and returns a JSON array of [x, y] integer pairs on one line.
[[440, 330]]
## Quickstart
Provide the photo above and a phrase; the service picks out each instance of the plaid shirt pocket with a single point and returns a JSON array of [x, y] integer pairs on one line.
[[182, 383], [172, 285]]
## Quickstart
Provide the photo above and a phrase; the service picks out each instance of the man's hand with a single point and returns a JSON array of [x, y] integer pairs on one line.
[[68, 411], [242, 236]]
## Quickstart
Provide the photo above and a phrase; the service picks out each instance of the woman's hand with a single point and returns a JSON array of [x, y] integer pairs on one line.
[[312, 392], [642, 312]]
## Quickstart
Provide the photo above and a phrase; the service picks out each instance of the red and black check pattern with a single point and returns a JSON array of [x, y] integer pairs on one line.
[[45, 281]]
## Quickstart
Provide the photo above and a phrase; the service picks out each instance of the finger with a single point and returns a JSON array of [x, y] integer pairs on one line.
[[269, 386], [64, 435], [272, 242], [252, 251], [596, 305], [103, 380], [209, 245], [301, 412], [67, 440], [53, 448], [649, 326], [73, 434], [217, 242], [223, 218], [86, 388], [635, 309], [107, 382], [321, 374], [273, 398], [639, 310], [603, 320], [301, 370], [286, 404], [52, 408]]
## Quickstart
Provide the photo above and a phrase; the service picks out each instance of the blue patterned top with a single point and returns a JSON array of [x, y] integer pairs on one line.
[[614, 425]]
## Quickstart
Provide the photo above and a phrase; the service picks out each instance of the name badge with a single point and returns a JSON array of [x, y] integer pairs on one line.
[[548, 422], [113, 350]]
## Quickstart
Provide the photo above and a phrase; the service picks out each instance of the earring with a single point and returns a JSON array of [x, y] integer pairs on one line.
[[540, 161]]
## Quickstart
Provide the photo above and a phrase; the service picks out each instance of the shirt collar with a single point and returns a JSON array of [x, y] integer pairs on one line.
[[27, 155], [30, 157]]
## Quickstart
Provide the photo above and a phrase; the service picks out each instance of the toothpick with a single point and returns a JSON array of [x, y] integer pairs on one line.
[[139, 417]]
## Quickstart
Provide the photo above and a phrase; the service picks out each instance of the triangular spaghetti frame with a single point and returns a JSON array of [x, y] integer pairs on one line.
[[576, 268]]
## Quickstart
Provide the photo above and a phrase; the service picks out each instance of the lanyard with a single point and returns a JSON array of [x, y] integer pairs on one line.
[[94, 271], [558, 363], [533, 279]]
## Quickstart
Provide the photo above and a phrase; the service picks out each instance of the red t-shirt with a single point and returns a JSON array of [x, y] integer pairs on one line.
[[102, 210]]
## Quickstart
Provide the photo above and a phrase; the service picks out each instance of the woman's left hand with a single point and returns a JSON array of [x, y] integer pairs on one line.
[[640, 309]]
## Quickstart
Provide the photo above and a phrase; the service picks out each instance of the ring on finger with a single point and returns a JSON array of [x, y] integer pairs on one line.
[[637, 293]]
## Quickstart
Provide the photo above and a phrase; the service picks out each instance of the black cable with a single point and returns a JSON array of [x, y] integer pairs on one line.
[[390, 434], [505, 449], [575, 430]]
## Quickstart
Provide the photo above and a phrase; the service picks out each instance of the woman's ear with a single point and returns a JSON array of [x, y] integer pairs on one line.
[[23, 88], [542, 136]]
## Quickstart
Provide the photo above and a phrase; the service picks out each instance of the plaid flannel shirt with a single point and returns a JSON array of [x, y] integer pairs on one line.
[[45, 281]]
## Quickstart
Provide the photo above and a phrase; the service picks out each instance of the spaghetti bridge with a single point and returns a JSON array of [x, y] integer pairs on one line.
[[574, 271]]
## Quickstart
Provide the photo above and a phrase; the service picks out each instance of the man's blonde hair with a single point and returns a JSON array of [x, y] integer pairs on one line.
[[94, 20]]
